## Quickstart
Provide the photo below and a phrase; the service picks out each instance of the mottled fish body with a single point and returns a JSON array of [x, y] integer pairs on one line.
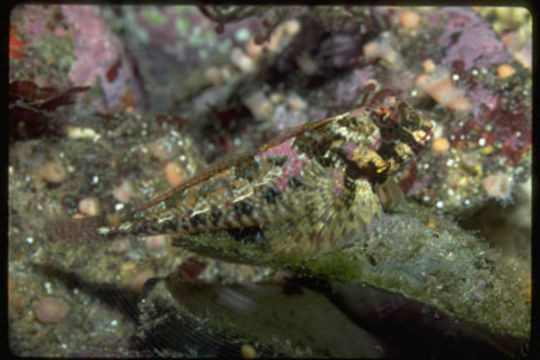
[[311, 189]]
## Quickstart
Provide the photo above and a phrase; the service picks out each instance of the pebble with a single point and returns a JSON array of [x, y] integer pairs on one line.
[[370, 49], [123, 192], [156, 243], [409, 19], [52, 172], [505, 71], [89, 206], [175, 173], [50, 310], [498, 185], [429, 66], [440, 145], [248, 351]]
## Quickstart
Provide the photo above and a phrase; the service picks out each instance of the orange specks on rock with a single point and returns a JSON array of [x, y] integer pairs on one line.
[[440, 145], [52, 172], [89, 206], [175, 173], [441, 87], [505, 70]]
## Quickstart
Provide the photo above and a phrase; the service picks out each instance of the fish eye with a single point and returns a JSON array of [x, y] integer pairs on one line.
[[385, 119]]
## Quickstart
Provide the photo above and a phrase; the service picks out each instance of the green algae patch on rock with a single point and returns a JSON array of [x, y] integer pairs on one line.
[[342, 264], [448, 268], [443, 266]]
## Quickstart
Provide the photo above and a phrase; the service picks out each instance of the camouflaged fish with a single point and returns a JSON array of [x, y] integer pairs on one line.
[[313, 189]]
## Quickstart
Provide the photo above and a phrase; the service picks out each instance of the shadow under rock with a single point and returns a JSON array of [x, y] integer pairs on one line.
[[123, 299], [414, 329]]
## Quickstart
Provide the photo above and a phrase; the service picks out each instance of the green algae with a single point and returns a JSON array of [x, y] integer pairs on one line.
[[445, 267]]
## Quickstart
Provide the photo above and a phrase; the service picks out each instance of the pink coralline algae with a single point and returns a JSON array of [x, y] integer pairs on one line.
[[469, 39], [100, 55]]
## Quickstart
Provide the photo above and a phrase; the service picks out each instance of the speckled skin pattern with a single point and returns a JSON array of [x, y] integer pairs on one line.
[[311, 189]]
